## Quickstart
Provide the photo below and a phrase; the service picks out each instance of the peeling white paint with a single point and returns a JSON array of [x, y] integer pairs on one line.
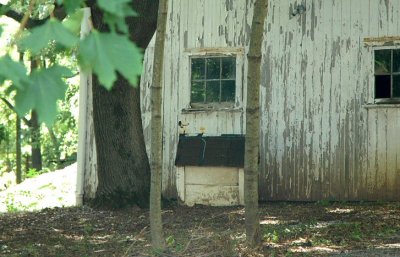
[[317, 139], [216, 186]]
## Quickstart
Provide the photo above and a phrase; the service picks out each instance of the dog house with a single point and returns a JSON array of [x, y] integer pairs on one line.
[[210, 169]]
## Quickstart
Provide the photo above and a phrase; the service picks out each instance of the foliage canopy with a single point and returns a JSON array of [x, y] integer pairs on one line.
[[106, 54]]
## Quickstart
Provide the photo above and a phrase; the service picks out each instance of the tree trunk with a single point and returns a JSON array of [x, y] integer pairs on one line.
[[157, 236], [36, 157], [122, 164], [27, 163], [56, 147], [251, 166], [18, 152]]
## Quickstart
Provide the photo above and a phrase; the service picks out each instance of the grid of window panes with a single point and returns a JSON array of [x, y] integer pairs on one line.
[[387, 75], [213, 80]]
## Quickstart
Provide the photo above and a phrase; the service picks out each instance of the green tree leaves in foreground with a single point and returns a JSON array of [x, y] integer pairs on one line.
[[95, 53], [105, 53], [52, 31], [45, 87]]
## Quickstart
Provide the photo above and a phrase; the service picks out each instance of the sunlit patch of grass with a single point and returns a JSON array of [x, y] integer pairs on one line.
[[285, 233], [318, 234], [340, 210], [269, 221]]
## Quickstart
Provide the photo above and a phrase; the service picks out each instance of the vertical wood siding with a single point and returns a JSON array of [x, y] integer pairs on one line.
[[196, 25], [90, 180], [318, 139]]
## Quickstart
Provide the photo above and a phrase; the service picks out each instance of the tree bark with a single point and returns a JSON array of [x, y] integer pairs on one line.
[[251, 165], [34, 127], [18, 155], [36, 157], [156, 157], [56, 145], [122, 163]]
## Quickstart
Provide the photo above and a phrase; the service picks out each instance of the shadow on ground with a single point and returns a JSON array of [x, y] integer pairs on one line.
[[288, 229]]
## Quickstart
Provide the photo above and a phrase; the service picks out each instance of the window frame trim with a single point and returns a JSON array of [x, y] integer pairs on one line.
[[205, 80], [379, 46], [238, 53]]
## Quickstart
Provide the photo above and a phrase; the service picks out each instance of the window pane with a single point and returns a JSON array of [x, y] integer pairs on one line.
[[396, 60], [213, 68], [198, 68], [383, 62], [197, 94], [228, 68], [212, 92], [396, 86], [228, 91], [382, 86]]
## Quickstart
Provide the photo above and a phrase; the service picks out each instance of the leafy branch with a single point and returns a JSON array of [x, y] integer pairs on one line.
[[11, 107], [30, 23], [106, 54]]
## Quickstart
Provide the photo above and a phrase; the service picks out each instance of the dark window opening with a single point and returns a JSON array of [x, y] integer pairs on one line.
[[387, 75], [213, 81], [382, 86]]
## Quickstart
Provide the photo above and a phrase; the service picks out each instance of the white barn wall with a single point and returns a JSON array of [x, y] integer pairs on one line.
[[189, 28], [320, 136], [319, 142]]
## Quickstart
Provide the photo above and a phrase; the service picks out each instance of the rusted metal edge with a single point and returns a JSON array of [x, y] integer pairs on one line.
[[382, 41]]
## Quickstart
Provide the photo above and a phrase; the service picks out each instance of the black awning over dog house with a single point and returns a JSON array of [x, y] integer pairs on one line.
[[212, 151]]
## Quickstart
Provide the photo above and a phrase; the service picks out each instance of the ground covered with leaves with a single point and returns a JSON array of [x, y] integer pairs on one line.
[[288, 229]]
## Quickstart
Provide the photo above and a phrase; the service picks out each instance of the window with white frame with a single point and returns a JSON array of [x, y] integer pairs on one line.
[[387, 75], [213, 81]]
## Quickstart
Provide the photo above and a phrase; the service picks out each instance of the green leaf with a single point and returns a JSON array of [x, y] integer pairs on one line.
[[107, 53], [115, 23], [1, 31], [41, 93], [115, 13], [11, 70], [119, 8], [51, 30], [73, 22], [71, 5]]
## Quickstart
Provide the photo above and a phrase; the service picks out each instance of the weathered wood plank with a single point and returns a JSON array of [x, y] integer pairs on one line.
[[336, 94], [212, 195], [317, 139], [211, 176], [326, 98], [391, 169], [382, 154], [372, 153]]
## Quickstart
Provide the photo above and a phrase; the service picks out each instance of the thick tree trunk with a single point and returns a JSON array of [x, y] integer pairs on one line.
[[253, 124], [122, 163], [157, 237], [36, 157]]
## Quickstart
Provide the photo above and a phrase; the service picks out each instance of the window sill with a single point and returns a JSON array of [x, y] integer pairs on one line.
[[381, 106], [208, 110]]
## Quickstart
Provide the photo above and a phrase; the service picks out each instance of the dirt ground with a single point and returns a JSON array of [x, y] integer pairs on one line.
[[288, 229]]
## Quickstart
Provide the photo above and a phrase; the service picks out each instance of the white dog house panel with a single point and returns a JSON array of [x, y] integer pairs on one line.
[[210, 170]]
